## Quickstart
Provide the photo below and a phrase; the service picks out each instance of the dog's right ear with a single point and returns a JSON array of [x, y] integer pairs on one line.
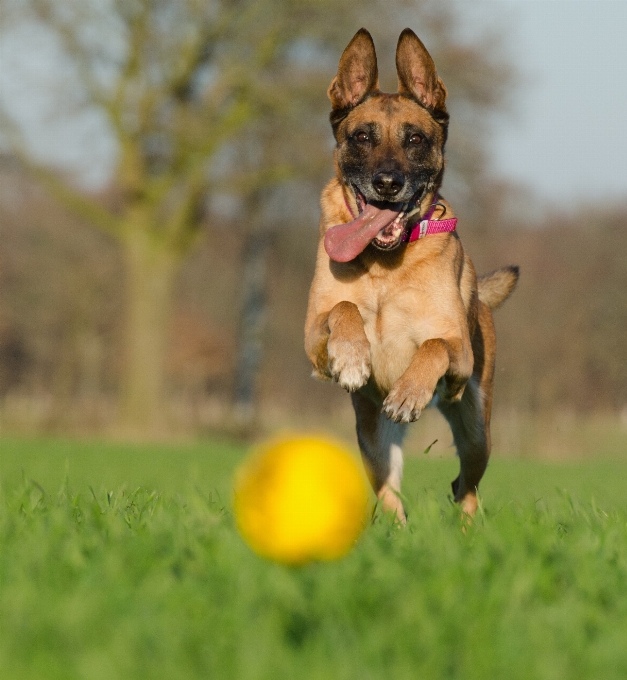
[[357, 74]]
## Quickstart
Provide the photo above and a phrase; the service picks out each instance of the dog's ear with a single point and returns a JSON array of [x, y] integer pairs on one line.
[[357, 74], [416, 72]]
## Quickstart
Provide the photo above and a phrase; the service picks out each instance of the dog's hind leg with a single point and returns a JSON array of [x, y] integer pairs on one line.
[[469, 418], [472, 440], [380, 441]]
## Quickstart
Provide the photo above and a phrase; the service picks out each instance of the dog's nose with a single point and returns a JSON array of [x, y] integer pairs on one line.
[[388, 184]]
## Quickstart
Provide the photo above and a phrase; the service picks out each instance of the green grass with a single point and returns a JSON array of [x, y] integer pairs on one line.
[[124, 562]]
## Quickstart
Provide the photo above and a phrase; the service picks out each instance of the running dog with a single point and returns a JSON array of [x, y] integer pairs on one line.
[[396, 313]]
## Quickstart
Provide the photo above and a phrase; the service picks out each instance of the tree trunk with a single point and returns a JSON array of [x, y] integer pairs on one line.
[[151, 271], [251, 327]]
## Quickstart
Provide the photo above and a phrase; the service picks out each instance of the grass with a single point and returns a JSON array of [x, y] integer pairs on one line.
[[124, 562]]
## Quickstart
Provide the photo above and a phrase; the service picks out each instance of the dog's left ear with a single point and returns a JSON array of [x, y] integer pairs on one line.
[[416, 72]]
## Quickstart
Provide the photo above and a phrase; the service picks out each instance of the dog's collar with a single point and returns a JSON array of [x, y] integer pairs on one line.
[[425, 227]]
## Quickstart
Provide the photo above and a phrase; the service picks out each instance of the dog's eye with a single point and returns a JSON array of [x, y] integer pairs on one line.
[[362, 137], [415, 139]]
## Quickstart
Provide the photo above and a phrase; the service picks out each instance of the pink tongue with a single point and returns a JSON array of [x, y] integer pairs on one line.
[[345, 241]]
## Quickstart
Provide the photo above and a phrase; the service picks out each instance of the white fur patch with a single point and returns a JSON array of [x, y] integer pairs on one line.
[[348, 366]]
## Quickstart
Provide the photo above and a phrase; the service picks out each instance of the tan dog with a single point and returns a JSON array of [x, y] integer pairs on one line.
[[396, 319]]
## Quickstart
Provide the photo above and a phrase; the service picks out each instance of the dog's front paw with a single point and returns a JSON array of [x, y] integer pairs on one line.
[[349, 362], [406, 401]]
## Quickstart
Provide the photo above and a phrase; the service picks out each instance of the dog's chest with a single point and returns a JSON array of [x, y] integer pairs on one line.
[[396, 323]]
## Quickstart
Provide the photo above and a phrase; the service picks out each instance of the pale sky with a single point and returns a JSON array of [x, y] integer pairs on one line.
[[566, 135]]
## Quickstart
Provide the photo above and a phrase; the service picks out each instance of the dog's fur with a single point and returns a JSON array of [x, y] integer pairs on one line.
[[396, 327]]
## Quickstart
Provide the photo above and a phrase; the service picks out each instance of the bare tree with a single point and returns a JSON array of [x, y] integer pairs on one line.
[[175, 80]]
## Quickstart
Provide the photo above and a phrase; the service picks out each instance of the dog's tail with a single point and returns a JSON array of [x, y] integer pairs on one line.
[[496, 287]]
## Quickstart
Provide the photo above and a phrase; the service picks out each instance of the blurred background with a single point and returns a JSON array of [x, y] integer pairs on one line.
[[160, 168]]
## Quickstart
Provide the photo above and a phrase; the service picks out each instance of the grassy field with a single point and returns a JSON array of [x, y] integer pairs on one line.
[[124, 562]]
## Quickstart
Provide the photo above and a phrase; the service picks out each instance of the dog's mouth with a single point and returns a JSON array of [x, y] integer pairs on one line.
[[381, 223]]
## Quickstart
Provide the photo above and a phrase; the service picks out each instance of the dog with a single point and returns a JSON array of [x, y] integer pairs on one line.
[[396, 314]]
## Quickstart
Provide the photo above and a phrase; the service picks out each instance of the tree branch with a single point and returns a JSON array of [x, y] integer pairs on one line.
[[68, 35], [87, 208], [73, 199]]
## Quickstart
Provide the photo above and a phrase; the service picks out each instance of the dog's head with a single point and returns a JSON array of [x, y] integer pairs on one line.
[[390, 147]]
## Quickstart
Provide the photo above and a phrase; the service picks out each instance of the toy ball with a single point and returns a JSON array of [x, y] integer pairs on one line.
[[301, 499]]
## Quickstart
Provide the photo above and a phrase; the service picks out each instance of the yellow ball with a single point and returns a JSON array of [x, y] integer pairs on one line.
[[301, 499]]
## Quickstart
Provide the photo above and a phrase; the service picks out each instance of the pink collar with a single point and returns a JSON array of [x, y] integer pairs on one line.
[[428, 226], [423, 228]]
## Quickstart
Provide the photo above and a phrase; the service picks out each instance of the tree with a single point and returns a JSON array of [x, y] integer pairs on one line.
[[175, 80]]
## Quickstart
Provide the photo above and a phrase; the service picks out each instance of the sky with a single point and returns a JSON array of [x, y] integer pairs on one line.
[[565, 135]]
